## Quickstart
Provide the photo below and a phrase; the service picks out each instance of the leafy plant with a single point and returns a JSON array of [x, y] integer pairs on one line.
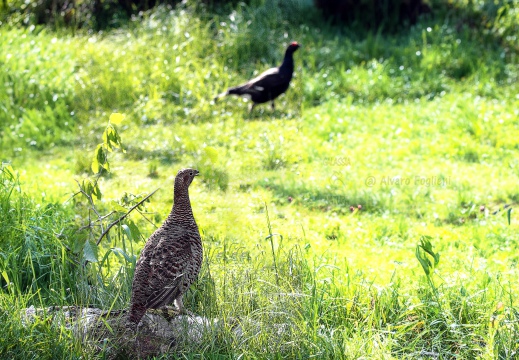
[[90, 190], [426, 256]]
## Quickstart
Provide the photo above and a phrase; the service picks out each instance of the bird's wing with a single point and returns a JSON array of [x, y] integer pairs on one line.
[[168, 265], [268, 79]]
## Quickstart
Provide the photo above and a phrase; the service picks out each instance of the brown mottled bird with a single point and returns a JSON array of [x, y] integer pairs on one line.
[[269, 84], [171, 259]]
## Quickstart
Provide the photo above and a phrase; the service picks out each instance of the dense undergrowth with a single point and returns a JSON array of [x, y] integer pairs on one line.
[[417, 127]]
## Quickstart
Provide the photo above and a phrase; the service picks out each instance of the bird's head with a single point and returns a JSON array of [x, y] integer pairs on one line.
[[294, 45], [185, 177]]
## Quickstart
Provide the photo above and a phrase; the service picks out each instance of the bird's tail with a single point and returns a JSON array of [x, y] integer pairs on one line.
[[135, 315], [238, 90], [221, 95]]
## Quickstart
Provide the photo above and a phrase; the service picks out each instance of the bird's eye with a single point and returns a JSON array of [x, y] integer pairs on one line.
[[191, 173]]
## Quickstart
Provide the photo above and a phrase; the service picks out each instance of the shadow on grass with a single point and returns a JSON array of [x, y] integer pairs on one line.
[[340, 202]]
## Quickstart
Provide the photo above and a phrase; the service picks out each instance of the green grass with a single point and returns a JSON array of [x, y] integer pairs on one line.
[[419, 128]]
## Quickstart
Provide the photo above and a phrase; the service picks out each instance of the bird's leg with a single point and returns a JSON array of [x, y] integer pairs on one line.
[[273, 106], [180, 306]]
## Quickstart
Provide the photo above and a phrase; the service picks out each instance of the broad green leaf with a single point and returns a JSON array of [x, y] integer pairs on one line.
[[95, 166], [91, 189], [78, 243], [88, 186], [116, 118], [101, 155], [106, 135], [99, 159], [117, 139], [422, 259], [136, 234], [97, 191], [95, 162], [106, 166], [423, 249], [111, 138], [90, 251]]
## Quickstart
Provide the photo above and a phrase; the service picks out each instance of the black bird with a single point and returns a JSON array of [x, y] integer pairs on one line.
[[268, 85]]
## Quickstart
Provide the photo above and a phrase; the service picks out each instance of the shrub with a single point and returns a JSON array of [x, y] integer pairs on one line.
[[495, 20], [389, 14], [96, 14]]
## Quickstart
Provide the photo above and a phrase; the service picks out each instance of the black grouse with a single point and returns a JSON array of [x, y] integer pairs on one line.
[[171, 259], [268, 85]]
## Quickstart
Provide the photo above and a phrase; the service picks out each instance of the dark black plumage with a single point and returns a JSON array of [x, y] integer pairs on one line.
[[269, 84]]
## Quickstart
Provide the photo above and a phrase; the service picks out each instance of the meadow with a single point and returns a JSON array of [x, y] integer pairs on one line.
[[372, 215]]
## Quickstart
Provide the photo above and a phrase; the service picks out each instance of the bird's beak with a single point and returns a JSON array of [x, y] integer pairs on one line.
[[197, 173]]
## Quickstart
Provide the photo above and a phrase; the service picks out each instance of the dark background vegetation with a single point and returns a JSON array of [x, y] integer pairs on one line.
[[385, 15]]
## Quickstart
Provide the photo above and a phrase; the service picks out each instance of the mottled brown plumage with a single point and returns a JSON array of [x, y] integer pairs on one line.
[[171, 259]]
